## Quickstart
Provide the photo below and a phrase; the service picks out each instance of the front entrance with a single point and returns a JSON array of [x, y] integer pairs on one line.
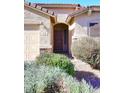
[[60, 38]]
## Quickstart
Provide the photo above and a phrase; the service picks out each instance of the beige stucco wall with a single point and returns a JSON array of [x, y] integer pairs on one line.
[[62, 11], [36, 37], [82, 25], [61, 18], [45, 28]]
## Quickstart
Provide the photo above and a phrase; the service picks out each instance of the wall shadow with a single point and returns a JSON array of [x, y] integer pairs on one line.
[[90, 78]]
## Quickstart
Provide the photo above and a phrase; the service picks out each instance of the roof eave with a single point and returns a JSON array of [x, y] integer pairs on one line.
[[80, 12], [75, 14], [26, 5]]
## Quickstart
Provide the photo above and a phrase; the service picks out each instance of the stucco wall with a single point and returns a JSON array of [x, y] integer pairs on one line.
[[37, 36], [62, 11], [45, 28], [82, 25], [61, 18]]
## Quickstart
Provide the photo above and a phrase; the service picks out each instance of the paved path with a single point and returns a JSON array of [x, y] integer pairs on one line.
[[82, 66], [84, 71]]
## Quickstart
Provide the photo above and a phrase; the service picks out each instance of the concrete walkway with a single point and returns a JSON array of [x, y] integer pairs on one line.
[[82, 66], [84, 71]]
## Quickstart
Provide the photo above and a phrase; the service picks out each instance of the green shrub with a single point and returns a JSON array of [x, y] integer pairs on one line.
[[45, 79], [56, 60], [88, 50], [94, 60]]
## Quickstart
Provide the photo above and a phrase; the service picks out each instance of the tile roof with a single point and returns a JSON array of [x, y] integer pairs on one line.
[[84, 10], [95, 8], [39, 8], [59, 5], [78, 9]]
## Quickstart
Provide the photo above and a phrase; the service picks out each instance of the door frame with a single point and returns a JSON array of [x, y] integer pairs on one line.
[[63, 37]]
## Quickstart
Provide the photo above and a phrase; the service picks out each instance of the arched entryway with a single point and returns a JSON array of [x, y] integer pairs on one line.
[[60, 38]]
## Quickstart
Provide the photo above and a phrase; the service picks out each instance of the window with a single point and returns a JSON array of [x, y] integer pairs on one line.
[[93, 29], [92, 24]]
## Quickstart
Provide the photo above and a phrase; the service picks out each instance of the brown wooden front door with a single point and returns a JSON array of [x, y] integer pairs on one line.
[[58, 41], [60, 38]]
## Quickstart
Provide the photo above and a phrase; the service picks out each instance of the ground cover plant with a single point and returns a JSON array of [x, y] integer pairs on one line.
[[47, 79]]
